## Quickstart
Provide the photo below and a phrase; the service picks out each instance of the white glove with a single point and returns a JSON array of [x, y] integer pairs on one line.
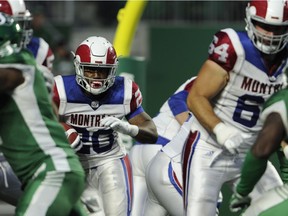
[[120, 126], [229, 137]]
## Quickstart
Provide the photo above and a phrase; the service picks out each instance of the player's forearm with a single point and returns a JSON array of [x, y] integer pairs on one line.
[[203, 111], [147, 133], [182, 117], [177, 103], [10, 79], [252, 170]]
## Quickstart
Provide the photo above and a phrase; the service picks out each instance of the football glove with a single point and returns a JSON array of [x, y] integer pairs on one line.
[[239, 202], [120, 126], [228, 137]]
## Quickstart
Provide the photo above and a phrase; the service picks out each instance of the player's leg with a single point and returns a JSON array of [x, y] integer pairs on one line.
[[153, 207], [202, 181], [165, 187], [219, 203], [269, 180], [10, 186], [116, 187], [79, 210], [91, 196], [51, 193], [280, 210], [273, 202], [140, 156]]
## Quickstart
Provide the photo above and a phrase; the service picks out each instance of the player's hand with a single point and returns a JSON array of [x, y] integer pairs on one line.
[[229, 137], [76, 145], [238, 202], [120, 126], [233, 143]]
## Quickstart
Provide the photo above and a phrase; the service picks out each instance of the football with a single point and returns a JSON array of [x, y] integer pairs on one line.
[[72, 136]]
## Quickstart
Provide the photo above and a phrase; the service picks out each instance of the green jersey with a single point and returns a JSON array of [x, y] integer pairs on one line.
[[253, 168], [278, 102], [30, 133]]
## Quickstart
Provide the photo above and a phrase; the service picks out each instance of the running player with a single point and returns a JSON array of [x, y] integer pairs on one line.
[[10, 186], [94, 102], [33, 141]]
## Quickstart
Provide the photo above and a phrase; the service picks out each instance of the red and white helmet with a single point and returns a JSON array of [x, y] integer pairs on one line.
[[95, 52], [17, 9], [272, 15]]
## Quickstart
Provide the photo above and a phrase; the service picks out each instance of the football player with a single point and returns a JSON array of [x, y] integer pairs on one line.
[[10, 186], [168, 121], [33, 141], [38, 46], [164, 179], [242, 71], [94, 102], [275, 129]]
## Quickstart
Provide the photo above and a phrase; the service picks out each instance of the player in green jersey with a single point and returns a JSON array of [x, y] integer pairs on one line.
[[275, 129], [32, 140]]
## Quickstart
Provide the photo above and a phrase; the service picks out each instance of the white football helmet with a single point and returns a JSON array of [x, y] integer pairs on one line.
[[17, 9], [95, 53], [271, 15]]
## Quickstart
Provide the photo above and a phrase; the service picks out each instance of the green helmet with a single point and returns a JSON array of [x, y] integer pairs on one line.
[[10, 35]]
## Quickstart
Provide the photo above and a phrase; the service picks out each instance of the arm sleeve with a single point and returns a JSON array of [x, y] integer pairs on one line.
[[252, 170], [283, 166], [177, 102], [136, 102], [56, 98], [222, 51]]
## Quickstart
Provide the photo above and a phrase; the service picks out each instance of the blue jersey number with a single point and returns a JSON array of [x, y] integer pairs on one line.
[[247, 110]]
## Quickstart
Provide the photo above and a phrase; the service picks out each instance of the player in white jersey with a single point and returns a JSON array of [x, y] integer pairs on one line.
[[242, 71], [10, 187], [168, 121], [163, 178], [94, 102], [275, 129]]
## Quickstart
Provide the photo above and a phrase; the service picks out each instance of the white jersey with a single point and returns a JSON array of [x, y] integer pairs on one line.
[[206, 164], [84, 113], [41, 52], [250, 85], [167, 125]]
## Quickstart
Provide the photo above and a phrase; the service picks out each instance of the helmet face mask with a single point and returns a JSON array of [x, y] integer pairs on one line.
[[95, 63], [10, 35], [267, 25], [17, 9], [96, 84], [270, 43], [26, 24]]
